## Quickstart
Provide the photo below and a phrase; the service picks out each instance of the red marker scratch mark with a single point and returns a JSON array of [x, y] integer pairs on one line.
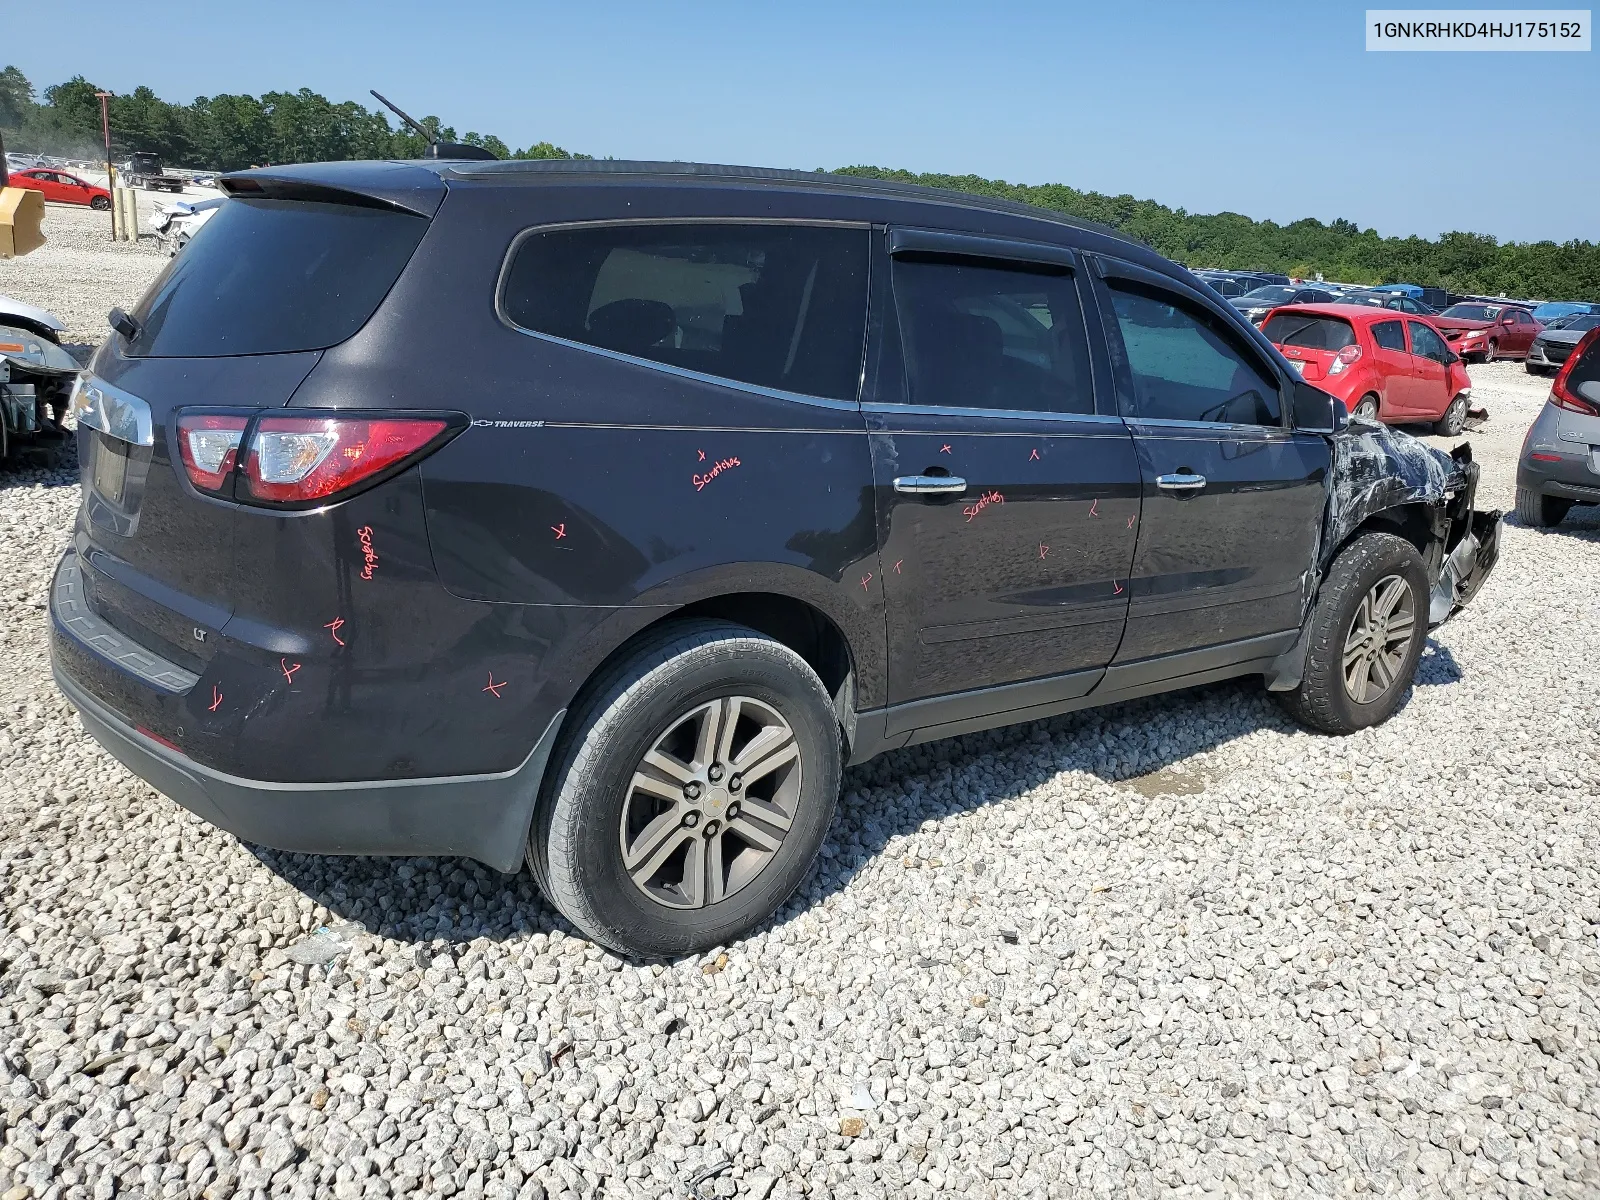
[[333, 628], [494, 688], [367, 553], [945, 449], [559, 530], [897, 563], [1033, 455], [1094, 509], [216, 698], [984, 501], [288, 671], [866, 579], [702, 455], [1132, 519], [1043, 549], [724, 464], [1116, 586]]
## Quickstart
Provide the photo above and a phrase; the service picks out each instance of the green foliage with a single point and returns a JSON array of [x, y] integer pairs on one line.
[[226, 133], [220, 133], [1462, 262]]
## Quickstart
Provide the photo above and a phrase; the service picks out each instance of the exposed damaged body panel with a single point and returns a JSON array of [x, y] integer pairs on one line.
[[1387, 480], [1384, 477]]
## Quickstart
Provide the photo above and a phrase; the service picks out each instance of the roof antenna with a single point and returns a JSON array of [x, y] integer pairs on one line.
[[395, 109], [436, 148]]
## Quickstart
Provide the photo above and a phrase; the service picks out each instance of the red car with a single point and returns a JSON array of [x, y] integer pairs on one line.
[[1384, 365], [1488, 331], [62, 187]]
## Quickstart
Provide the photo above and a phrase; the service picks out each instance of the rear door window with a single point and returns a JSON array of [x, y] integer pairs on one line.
[[1389, 336], [980, 336], [1310, 332], [779, 306], [271, 276]]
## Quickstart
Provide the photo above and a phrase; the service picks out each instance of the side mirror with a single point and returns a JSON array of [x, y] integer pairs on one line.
[[1314, 411], [1452, 357], [1508, 321]]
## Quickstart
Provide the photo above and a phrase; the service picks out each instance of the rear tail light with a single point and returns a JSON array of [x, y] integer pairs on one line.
[[209, 446], [1346, 357], [303, 461], [1561, 393]]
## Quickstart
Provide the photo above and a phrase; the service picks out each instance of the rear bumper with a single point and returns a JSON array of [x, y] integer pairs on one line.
[[485, 817]]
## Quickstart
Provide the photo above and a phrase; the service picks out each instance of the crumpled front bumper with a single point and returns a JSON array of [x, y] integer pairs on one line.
[[1466, 567]]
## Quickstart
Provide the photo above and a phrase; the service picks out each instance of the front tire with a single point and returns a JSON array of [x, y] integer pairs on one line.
[[1367, 631], [1454, 419], [1538, 511], [1533, 368], [692, 793], [1489, 352], [99, 203]]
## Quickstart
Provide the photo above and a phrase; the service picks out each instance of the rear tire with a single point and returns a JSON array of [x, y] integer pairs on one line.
[[1538, 511], [1373, 608], [1366, 408], [645, 838], [1454, 419]]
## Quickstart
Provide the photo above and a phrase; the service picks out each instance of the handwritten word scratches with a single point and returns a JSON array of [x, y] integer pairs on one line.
[[945, 449], [333, 628], [1043, 550], [702, 455], [288, 671], [494, 688], [216, 698], [866, 579], [1132, 519], [723, 464], [559, 530], [1033, 456], [1116, 588], [971, 511], [897, 563], [1094, 509], [368, 555]]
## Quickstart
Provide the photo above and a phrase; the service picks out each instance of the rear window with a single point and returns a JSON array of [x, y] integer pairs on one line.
[[779, 306], [270, 276], [1309, 332], [1389, 336]]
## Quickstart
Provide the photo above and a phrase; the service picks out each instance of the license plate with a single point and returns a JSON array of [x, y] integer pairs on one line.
[[110, 471], [1299, 364]]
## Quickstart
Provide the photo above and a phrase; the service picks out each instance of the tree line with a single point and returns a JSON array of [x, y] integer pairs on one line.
[[229, 132], [219, 133]]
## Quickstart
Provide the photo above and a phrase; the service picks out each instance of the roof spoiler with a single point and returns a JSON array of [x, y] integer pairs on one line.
[[397, 187]]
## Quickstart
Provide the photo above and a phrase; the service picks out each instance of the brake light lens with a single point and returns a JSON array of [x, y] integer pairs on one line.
[[301, 460], [209, 446], [1345, 358], [1561, 393]]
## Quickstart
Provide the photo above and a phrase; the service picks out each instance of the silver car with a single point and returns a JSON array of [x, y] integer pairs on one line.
[[1556, 340], [1560, 463]]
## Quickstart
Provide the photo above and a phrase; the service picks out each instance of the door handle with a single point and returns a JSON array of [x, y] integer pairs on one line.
[[931, 485], [1183, 481]]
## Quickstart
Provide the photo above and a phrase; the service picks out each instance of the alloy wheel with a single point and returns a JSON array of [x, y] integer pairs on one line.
[[1375, 648], [710, 803]]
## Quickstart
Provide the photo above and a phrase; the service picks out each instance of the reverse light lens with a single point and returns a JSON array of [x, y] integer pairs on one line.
[[1345, 358], [299, 460], [209, 445]]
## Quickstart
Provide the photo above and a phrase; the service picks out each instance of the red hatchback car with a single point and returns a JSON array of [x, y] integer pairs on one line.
[[1385, 365], [62, 187]]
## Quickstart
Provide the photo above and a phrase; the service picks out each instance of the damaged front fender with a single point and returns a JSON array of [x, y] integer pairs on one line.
[[1384, 479]]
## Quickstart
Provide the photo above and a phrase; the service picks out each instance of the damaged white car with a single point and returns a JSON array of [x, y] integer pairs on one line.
[[175, 224]]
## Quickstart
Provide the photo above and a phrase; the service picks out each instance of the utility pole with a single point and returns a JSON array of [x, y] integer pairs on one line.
[[111, 182]]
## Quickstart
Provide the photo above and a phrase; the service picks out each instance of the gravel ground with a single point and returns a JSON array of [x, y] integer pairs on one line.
[[1177, 947]]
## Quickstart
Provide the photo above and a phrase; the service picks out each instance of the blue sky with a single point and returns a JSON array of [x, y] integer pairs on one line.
[[1269, 109]]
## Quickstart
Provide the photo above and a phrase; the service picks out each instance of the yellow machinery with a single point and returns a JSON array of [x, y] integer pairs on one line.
[[21, 211]]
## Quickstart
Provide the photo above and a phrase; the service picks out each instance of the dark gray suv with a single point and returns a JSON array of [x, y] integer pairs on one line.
[[596, 515]]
